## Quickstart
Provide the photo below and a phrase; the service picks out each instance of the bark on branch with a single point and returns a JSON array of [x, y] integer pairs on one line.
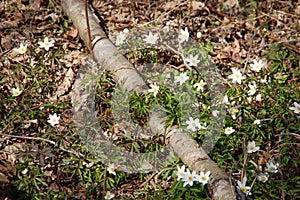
[[177, 140]]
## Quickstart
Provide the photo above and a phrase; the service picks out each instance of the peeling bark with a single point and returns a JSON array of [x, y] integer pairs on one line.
[[177, 140]]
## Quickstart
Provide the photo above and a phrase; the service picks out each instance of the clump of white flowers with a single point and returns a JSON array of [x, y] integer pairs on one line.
[[189, 177]]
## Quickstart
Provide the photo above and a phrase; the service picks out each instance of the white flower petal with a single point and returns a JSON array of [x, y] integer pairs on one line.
[[236, 76]]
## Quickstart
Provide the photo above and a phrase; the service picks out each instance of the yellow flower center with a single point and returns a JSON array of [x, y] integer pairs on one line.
[[237, 75], [243, 189], [234, 111], [190, 178]]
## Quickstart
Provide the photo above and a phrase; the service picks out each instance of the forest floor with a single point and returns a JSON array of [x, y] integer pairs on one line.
[[40, 161]]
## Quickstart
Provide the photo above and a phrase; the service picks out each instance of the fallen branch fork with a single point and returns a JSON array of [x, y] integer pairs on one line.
[[178, 141]]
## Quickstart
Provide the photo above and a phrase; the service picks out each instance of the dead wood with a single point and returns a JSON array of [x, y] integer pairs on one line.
[[177, 140]]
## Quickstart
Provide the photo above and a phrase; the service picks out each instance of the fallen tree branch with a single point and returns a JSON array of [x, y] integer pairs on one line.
[[177, 140]]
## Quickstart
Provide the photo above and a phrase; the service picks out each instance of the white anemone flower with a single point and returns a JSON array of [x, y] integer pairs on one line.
[[180, 172], [154, 88], [233, 112], [203, 177], [111, 169], [257, 66], [46, 44], [150, 38], [121, 37], [252, 89], [53, 119], [271, 167], [126, 31], [251, 147], [184, 35], [229, 130], [22, 49], [200, 85], [242, 186], [16, 92], [192, 60], [295, 108], [189, 178], [236, 76], [262, 177], [193, 124], [182, 78]]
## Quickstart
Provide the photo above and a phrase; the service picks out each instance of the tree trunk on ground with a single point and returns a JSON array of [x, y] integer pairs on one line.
[[177, 140]]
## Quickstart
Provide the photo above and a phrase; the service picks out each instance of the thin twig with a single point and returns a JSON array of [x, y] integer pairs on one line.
[[252, 183], [42, 139], [4, 52], [90, 47], [248, 53], [162, 16], [180, 52], [245, 159], [28, 138], [293, 134], [144, 183], [254, 164], [282, 185]]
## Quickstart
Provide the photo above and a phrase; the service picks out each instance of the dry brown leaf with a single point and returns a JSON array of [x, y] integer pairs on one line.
[[73, 58], [8, 25], [71, 34], [297, 10], [231, 3], [3, 178], [6, 171], [169, 5], [66, 84], [197, 5], [236, 51], [10, 152]]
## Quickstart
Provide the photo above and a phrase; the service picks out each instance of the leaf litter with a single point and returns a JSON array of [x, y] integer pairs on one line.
[[29, 21]]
